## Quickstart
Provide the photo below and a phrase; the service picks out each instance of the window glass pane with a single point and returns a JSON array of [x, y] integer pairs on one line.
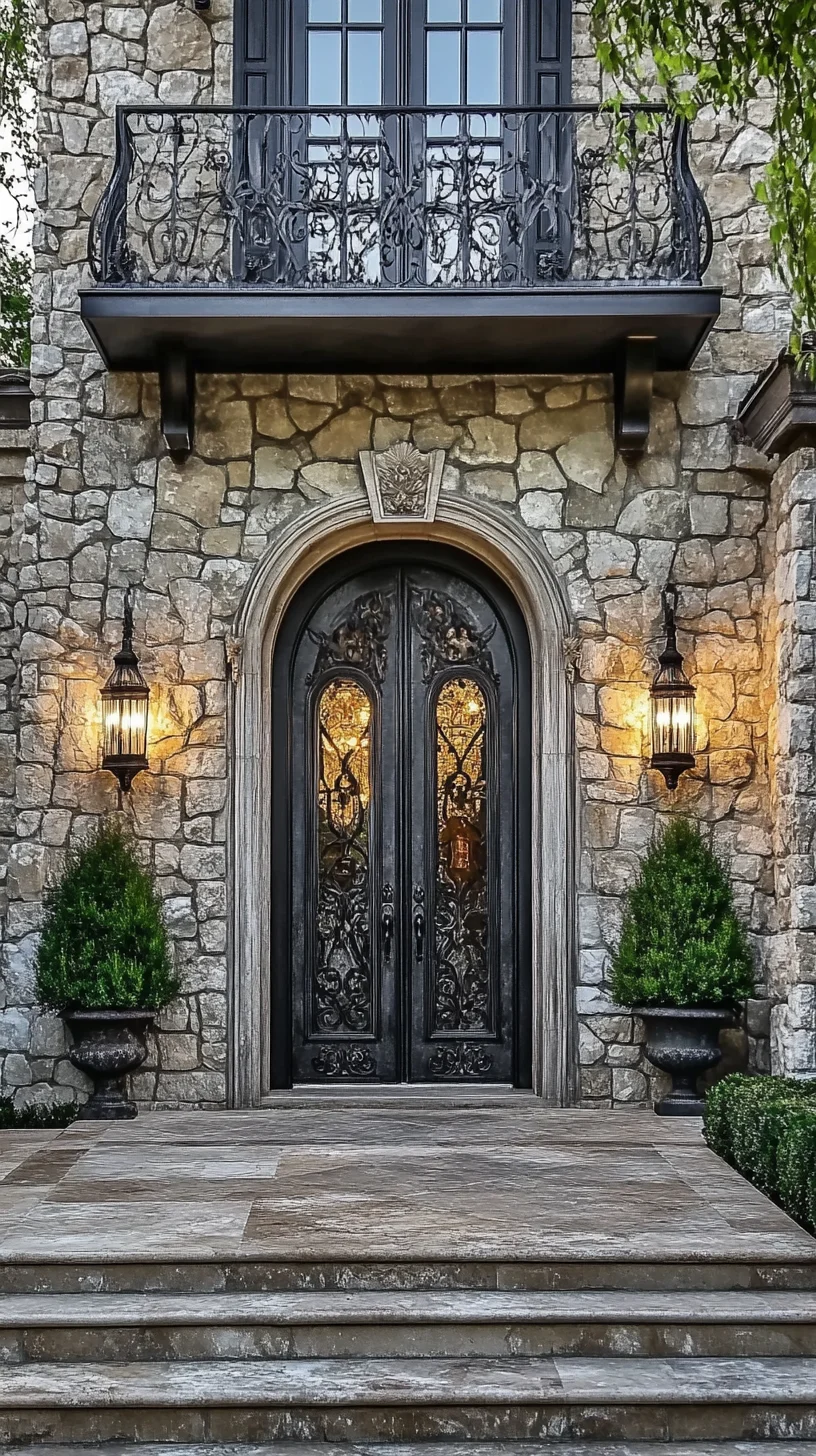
[[325, 76], [324, 12], [442, 12], [364, 12], [482, 11], [483, 67], [443, 82], [364, 68]]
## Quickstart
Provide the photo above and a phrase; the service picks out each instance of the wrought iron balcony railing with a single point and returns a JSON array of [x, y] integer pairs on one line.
[[391, 199]]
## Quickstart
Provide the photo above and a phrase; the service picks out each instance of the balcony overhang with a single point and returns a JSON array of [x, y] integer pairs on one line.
[[778, 414], [628, 331]]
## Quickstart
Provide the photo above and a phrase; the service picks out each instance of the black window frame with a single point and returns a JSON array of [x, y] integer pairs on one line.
[[269, 35]]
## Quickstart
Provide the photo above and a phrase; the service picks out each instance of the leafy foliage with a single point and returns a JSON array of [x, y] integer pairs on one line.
[[766, 1128], [104, 944], [723, 53], [34, 1114], [681, 943], [19, 58], [15, 308]]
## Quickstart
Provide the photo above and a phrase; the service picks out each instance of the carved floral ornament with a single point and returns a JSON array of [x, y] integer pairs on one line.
[[234, 649], [571, 648], [402, 482]]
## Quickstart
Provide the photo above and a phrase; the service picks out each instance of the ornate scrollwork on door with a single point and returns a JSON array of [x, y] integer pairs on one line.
[[360, 640], [449, 639], [341, 990], [462, 997], [460, 1059], [344, 1061]]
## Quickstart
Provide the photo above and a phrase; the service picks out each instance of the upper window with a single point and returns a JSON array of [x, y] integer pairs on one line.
[[433, 53], [464, 46], [344, 52], [362, 53]]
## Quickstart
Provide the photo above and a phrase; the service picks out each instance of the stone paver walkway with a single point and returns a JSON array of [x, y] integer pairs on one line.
[[376, 1177]]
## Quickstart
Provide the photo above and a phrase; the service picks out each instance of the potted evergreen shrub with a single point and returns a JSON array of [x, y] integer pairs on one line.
[[104, 964], [683, 962]]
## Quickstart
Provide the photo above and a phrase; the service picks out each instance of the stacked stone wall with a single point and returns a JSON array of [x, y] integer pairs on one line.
[[791, 694], [15, 1029], [105, 506]]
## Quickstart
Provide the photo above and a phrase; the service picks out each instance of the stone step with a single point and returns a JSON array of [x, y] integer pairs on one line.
[[438, 1448], [413, 1096], [434, 1323], [696, 1273], [416, 1399]]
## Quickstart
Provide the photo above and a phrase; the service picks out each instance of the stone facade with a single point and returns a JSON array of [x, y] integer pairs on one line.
[[790, 658], [104, 505]]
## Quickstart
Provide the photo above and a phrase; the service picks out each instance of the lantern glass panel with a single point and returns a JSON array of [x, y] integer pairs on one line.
[[125, 725], [673, 722], [125, 698]]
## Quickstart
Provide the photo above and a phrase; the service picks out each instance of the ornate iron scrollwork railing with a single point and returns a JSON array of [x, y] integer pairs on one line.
[[385, 199]]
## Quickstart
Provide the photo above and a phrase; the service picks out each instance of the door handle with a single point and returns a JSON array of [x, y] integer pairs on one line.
[[387, 921], [419, 921]]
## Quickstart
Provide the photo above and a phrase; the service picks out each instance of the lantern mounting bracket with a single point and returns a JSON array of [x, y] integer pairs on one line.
[[177, 397], [634, 381]]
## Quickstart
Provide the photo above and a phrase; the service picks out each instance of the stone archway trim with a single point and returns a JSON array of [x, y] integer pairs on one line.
[[520, 561]]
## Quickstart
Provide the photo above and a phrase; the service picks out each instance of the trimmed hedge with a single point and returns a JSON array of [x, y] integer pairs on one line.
[[36, 1114], [765, 1127]]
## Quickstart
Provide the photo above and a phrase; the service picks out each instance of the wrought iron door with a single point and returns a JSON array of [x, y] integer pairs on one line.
[[400, 928]]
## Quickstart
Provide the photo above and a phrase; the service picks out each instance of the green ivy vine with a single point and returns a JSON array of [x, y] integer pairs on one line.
[[19, 59], [722, 53]]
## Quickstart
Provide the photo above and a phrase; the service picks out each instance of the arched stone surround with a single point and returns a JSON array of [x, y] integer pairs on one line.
[[497, 539]]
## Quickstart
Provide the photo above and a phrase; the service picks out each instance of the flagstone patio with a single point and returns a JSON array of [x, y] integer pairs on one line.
[[411, 1176]]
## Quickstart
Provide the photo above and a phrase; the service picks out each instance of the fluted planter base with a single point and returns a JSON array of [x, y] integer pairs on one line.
[[684, 1043], [107, 1046]]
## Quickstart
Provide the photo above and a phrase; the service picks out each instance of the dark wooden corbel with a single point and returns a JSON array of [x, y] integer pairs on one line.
[[177, 395], [634, 379]]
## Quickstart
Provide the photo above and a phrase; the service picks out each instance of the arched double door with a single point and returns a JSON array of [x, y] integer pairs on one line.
[[401, 785]]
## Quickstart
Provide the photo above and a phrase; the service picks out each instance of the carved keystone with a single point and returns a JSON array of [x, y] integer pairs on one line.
[[402, 483]]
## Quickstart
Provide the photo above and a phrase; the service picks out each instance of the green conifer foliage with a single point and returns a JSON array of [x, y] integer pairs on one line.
[[681, 943], [104, 945]]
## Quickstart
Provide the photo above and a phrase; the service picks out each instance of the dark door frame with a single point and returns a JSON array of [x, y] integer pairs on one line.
[[315, 589]]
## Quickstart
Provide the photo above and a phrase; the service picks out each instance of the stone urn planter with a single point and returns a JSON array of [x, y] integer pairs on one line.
[[107, 1046], [684, 1043]]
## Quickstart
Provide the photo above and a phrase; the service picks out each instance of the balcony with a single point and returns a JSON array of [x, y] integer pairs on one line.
[[557, 240]]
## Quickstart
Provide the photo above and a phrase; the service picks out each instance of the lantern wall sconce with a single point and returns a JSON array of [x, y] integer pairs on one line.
[[124, 710], [672, 703]]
